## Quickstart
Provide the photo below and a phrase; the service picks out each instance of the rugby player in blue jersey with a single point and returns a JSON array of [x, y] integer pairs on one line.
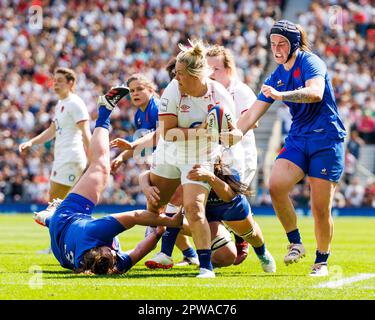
[[315, 143], [82, 243], [143, 96]]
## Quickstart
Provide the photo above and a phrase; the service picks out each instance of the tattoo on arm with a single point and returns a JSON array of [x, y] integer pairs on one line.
[[304, 95]]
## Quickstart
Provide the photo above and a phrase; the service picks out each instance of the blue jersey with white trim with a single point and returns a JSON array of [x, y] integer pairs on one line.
[[310, 120], [147, 119]]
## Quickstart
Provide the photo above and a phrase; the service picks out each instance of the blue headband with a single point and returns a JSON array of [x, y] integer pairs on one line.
[[288, 30]]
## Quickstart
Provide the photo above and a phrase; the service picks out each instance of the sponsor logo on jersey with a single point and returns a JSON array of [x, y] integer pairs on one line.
[[279, 83], [185, 108], [164, 104]]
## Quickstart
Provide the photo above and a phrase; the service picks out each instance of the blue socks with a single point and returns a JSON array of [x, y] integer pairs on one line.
[[204, 257], [190, 253], [321, 257], [103, 118], [169, 239], [260, 250], [294, 236]]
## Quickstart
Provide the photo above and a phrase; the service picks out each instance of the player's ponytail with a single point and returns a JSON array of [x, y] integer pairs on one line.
[[304, 46], [224, 173], [194, 57]]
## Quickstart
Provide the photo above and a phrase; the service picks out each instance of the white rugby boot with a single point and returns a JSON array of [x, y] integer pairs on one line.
[[296, 251]]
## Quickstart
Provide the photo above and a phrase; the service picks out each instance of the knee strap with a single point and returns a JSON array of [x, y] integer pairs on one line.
[[248, 234], [220, 241]]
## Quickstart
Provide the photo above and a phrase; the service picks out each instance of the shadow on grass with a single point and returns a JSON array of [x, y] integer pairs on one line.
[[121, 276]]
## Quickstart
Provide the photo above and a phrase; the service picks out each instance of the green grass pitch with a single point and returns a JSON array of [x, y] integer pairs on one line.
[[27, 275]]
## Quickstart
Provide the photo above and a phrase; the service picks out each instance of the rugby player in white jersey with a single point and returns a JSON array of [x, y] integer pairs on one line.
[[71, 130], [184, 143]]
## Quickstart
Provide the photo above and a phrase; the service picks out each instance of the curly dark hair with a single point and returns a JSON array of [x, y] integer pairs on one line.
[[98, 260]]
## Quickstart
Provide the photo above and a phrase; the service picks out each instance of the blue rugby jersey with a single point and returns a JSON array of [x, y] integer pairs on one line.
[[74, 231], [149, 118], [310, 120]]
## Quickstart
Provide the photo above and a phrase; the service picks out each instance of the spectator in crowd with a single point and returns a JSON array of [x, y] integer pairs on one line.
[[354, 193], [369, 195], [350, 167], [354, 144]]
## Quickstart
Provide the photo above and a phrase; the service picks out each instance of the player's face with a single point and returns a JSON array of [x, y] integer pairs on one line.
[[280, 48], [61, 85], [185, 80], [220, 73], [139, 93]]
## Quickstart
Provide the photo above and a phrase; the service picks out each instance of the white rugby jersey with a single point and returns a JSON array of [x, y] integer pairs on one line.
[[243, 155], [68, 139], [192, 111]]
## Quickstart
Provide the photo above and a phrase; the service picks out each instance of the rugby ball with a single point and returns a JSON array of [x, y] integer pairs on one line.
[[218, 120]]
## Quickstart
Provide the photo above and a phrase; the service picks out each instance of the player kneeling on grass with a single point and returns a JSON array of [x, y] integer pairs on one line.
[[82, 243], [227, 204]]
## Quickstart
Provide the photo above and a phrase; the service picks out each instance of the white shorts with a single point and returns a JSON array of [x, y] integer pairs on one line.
[[67, 173], [169, 171]]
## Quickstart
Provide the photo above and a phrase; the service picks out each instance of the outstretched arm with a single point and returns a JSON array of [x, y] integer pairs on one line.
[[45, 136], [146, 218], [146, 245], [246, 122]]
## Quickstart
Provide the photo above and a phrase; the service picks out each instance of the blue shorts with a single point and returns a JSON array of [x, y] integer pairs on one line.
[[73, 206], [236, 210], [322, 159]]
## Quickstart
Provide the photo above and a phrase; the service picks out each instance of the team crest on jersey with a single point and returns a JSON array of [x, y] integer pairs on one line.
[[279, 83], [324, 172], [185, 108], [72, 177], [297, 73]]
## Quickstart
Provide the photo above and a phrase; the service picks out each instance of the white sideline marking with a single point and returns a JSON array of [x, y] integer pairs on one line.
[[343, 281]]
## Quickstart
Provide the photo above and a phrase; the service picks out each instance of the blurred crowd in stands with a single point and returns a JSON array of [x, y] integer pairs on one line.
[[105, 42]]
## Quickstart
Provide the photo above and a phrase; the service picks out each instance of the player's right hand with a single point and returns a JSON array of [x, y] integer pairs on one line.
[[116, 163], [25, 145]]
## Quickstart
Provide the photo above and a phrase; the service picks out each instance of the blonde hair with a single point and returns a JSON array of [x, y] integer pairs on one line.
[[228, 59], [144, 80], [194, 58], [304, 46]]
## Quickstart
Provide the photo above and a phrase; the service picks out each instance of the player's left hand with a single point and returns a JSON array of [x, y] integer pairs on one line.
[[271, 92], [121, 144]]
